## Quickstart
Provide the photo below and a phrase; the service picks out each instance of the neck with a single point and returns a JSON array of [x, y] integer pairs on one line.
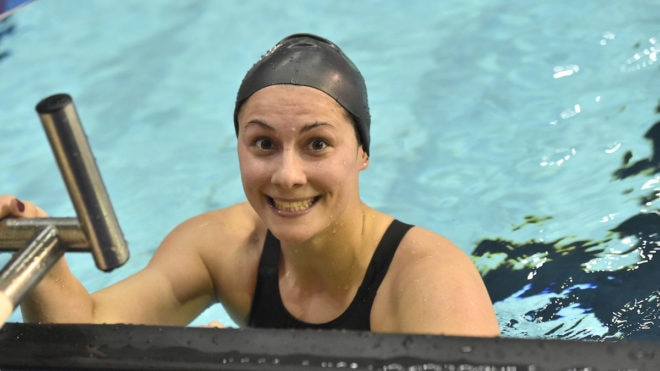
[[334, 260]]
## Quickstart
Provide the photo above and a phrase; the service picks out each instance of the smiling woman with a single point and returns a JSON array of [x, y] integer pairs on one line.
[[545, 177], [297, 147], [304, 243]]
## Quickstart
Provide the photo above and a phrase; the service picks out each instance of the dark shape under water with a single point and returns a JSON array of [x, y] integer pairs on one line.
[[625, 298], [649, 165]]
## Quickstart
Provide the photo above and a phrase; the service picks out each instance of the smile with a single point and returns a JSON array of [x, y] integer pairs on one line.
[[293, 206]]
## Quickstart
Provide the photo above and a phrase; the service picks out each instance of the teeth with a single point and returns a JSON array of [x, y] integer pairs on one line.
[[293, 205]]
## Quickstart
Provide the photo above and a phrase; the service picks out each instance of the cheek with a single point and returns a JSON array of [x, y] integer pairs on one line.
[[252, 171], [335, 173]]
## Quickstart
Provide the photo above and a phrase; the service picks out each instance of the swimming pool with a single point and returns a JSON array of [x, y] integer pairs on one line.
[[501, 125]]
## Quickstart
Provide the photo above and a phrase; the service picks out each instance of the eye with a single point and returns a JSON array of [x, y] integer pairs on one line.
[[318, 144], [264, 144]]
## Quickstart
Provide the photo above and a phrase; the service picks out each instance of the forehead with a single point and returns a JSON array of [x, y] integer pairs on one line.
[[292, 101]]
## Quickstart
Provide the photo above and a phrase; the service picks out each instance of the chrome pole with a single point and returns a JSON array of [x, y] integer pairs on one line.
[[83, 180], [96, 229], [26, 268], [15, 233]]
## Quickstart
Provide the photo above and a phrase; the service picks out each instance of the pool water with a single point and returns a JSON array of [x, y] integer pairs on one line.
[[515, 128]]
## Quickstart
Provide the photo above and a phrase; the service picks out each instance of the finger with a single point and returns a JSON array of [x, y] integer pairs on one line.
[[215, 324], [10, 206], [5, 205], [28, 209]]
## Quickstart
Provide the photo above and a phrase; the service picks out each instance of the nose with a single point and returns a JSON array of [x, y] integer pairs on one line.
[[290, 172]]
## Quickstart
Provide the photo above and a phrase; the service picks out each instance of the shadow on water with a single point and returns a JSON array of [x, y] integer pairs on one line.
[[620, 288], [6, 28]]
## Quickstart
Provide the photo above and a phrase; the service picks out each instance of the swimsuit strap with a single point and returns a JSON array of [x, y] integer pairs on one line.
[[268, 311], [382, 258]]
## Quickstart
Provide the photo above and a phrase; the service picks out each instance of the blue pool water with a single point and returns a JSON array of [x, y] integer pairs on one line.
[[503, 125]]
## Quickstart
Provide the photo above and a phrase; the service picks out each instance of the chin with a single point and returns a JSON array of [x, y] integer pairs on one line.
[[292, 235]]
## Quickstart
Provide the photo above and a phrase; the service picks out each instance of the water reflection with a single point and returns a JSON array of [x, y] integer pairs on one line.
[[619, 287]]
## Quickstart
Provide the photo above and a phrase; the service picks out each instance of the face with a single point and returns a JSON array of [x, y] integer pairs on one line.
[[299, 161]]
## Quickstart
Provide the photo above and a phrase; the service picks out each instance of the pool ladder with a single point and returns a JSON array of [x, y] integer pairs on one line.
[[40, 243]]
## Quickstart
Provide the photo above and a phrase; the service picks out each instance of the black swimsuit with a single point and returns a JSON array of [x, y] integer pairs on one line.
[[268, 311]]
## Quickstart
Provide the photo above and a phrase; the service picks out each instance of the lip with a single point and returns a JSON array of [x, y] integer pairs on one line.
[[292, 207]]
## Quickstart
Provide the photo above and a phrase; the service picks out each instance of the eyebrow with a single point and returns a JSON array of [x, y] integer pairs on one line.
[[315, 125], [305, 128], [260, 124]]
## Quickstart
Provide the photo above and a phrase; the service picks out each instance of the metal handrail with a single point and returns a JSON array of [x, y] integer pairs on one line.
[[15, 232], [41, 242], [83, 181]]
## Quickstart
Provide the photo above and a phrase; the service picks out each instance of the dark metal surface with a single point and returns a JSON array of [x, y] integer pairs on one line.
[[26, 268], [83, 181], [128, 347]]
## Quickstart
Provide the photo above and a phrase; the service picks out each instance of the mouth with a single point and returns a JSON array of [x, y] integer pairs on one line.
[[293, 206]]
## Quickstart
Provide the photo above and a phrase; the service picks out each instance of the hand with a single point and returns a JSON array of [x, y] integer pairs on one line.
[[10, 206], [214, 324]]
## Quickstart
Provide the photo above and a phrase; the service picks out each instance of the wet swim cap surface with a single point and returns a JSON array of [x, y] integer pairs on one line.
[[309, 60]]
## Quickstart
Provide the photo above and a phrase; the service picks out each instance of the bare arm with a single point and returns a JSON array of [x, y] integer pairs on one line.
[[435, 289], [172, 289], [59, 284]]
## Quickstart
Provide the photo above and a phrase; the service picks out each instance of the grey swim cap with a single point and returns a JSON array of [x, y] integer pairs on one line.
[[310, 60]]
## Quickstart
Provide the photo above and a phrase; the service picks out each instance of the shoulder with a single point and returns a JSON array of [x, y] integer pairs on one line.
[[223, 238], [433, 287], [224, 246], [425, 256], [223, 227], [420, 246]]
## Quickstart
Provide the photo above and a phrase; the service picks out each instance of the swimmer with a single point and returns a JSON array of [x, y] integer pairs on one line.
[[303, 251]]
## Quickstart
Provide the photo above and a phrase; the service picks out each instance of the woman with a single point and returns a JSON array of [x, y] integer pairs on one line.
[[304, 251]]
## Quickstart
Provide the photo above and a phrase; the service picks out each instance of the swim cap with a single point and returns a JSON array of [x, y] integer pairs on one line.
[[310, 60]]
